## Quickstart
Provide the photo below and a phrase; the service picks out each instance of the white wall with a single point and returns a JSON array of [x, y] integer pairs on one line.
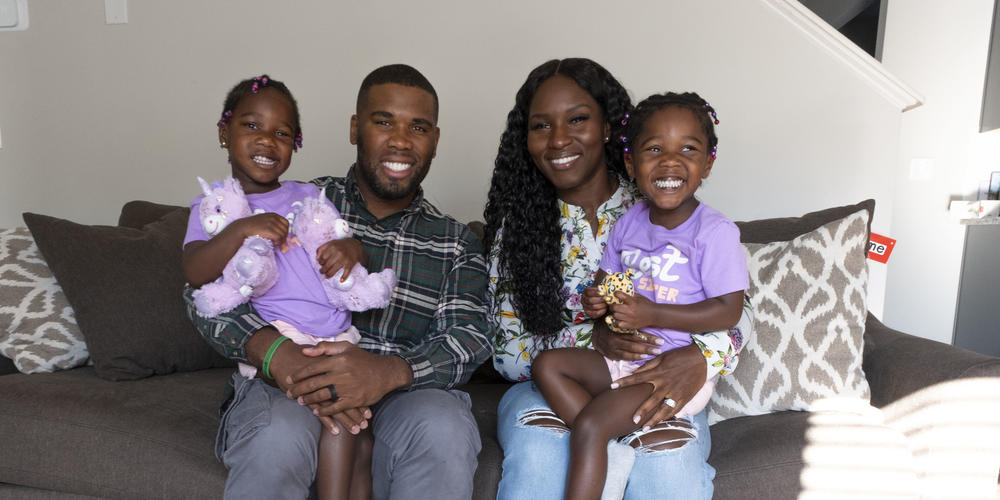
[[94, 115], [941, 49]]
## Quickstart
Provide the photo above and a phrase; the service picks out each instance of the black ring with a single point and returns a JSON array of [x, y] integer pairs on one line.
[[333, 392]]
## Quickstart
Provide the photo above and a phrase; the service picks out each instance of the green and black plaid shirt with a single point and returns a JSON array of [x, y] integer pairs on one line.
[[437, 318]]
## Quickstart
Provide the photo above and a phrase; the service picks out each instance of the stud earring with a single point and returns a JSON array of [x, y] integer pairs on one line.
[[222, 145], [606, 139]]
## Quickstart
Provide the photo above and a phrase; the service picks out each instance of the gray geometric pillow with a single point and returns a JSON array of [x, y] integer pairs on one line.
[[809, 300], [37, 328]]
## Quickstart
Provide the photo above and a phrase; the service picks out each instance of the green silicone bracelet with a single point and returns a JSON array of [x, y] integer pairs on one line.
[[266, 365]]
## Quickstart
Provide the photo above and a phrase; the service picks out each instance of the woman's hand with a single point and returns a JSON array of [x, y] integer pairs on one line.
[[625, 347], [677, 374], [335, 255]]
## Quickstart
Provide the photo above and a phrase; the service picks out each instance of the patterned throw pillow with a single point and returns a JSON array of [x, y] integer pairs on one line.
[[809, 299], [37, 328]]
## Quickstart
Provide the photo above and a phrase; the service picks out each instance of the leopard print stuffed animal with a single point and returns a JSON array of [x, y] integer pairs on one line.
[[617, 282]]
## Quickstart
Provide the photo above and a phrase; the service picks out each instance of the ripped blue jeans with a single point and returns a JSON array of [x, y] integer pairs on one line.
[[536, 457]]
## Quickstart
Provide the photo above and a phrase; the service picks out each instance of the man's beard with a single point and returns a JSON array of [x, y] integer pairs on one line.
[[388, 189]]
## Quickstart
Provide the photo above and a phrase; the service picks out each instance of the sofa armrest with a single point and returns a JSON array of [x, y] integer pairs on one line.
[[897, 364]]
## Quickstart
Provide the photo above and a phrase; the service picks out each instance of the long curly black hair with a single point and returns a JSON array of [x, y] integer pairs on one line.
[[523, 202]]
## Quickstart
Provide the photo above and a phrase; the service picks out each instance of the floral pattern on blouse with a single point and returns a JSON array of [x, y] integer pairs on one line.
[[581, 258]]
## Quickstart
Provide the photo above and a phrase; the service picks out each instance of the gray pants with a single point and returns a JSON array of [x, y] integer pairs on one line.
[[426, 443]]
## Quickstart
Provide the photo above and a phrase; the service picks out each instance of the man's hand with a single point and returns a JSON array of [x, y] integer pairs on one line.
[[285, 360], [360, 378], [335, 255], [289, 358]]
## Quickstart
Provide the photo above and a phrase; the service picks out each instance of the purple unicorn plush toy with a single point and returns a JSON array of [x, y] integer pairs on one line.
[[252, 271], [317, 224]]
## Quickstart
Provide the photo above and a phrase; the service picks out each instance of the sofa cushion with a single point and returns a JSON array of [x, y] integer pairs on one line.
[[38, 330], [842, 448], [485, 397], [759, 454], [70, 431], [125, 287], [809, 300]]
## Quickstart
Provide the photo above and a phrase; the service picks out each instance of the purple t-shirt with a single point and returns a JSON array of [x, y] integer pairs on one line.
[[298, 297], [699, 259]]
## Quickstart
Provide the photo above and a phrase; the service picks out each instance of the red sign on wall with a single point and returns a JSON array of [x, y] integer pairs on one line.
[[879, 247]]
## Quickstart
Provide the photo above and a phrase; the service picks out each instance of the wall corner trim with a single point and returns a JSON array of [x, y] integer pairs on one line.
[[865, 66]]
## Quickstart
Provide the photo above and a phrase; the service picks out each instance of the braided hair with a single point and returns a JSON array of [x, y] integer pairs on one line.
[[252, 86], [524, 203], [688, 100]]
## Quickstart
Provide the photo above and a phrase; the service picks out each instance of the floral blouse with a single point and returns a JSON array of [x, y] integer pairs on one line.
[[581, 258]]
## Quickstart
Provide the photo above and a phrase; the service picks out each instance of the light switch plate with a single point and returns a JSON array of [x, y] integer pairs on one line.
[[115, 11], [13, 15]]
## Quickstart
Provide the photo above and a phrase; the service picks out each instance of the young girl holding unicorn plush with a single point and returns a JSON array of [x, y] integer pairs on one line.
[[281, 245]]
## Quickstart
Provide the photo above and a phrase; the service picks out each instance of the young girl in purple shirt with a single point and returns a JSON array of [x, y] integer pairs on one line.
[[260, 129], [689, 276]]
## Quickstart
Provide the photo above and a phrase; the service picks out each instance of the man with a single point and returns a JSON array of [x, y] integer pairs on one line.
[[428, 340]]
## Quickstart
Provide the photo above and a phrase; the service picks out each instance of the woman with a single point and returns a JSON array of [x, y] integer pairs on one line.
[[558, 186]]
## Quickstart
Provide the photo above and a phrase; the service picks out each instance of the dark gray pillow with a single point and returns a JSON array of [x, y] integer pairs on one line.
[[125, 287], [138, 213], [789, 228]]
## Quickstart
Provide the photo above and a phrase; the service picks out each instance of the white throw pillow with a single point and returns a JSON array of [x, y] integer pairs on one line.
[[37, 328], [809, 301]]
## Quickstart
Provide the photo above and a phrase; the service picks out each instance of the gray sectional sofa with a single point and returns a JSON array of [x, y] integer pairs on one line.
[[88, 432]]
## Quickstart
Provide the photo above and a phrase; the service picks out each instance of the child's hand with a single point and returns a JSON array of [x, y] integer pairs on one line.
[[352, 420], [593, 303], [624, 347], [269, 226], [343, 254], [634, 313]]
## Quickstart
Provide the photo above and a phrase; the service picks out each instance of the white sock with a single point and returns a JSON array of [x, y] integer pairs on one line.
[[620, 459]]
